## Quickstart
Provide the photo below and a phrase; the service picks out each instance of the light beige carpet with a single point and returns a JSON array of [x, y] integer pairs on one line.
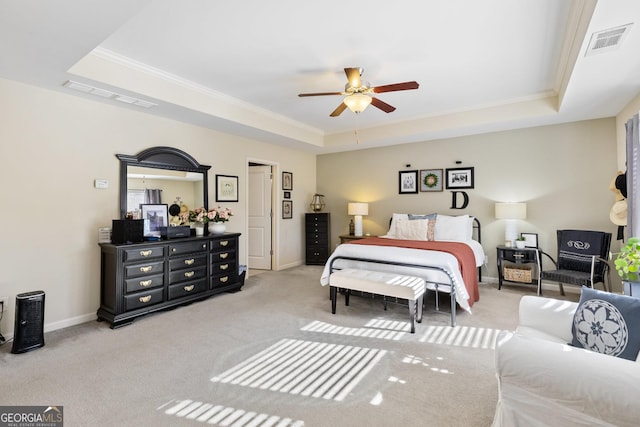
[[272, 354]]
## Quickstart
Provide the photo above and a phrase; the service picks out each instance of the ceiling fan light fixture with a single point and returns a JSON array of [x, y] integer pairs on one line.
[[357, 102]]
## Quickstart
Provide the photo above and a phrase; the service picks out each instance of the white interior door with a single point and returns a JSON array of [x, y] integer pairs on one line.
[[259, 208]]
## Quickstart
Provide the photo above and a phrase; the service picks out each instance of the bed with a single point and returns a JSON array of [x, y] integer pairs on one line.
[[444, 250]]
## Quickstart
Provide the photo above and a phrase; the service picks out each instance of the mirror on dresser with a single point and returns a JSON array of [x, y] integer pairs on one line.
[[178, 176]]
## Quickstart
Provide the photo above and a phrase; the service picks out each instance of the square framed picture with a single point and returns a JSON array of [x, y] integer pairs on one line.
[[408, 182], [287, 180], [530, 240], [155, 217], [287, 209], [226, 188], [431, 180], [287, 194], [459, 178]]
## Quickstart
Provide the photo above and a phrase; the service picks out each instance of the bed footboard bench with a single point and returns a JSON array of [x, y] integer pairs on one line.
[[375, 282], [351, 284]]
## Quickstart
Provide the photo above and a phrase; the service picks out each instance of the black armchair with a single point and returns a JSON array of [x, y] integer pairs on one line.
[[581, 261]]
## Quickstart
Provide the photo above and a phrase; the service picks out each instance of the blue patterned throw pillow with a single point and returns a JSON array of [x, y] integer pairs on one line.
[[607, 323]]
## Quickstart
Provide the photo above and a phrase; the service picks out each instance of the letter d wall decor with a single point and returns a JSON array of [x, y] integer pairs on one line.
[[454, 200]]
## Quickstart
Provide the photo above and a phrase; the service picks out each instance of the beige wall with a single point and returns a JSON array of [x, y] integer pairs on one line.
[[563, 172], [54, 145]]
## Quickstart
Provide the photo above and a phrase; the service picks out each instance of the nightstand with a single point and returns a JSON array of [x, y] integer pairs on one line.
[[346, 238], [517, 265]]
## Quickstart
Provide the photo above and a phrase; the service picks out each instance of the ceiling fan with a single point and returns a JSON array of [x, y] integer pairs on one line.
[[358, 93]]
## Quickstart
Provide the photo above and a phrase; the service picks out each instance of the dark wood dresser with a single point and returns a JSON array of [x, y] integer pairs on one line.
[[317, 238], [141, 278]]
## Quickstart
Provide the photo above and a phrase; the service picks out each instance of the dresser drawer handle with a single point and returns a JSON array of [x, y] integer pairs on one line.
[[224, 242], [189, 274], [224, 279], [204, 246], [146, 253], [189, 288], [146, 268], [224, 256], [146, 283], [145, 299], [173, 249], [518, 256], [189, 261], [224, 266]]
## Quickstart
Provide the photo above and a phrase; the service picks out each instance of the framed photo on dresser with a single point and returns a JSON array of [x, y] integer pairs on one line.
[[155, 217]]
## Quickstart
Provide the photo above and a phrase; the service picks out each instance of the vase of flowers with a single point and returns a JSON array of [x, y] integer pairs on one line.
[[218, 216]]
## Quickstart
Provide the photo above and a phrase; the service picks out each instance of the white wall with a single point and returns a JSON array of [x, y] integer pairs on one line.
[[563, 172], [54, 145]]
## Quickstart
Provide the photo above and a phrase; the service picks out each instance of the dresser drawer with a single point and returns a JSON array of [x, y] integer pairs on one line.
[[144, 269], [186, 289], [223, 280], [146, 282], [142, 299], [188, 262], [187, 247], [143, 253], [187, 274], [223, 268], [224, 244], [224, 256]]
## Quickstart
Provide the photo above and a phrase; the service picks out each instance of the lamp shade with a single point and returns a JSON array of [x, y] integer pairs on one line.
[[357, 102], [511, 210], [358, 209]]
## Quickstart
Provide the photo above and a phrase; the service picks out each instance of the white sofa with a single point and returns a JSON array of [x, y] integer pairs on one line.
[[545, 382]]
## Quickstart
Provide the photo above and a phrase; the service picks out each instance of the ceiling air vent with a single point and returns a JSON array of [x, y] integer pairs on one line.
[[607, 40]]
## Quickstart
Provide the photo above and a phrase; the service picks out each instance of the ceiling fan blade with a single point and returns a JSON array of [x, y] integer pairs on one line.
[[353, 75], [396, 86], [320, 94], [382, 105], [339, 110]]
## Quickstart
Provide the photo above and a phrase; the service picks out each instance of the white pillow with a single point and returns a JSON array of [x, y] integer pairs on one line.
[[392, 228], [453, 228], [408, 229]]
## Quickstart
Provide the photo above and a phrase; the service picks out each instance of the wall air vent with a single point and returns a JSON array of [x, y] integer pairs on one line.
[[103, 93], [607, 40]]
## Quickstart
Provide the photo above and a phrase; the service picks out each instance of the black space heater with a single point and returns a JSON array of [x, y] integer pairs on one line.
[[28, 333]]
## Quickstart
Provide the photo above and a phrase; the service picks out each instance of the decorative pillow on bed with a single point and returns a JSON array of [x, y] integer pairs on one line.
[[454, 228], [392, 227], [431, 225], [607, 323], [409, 229]]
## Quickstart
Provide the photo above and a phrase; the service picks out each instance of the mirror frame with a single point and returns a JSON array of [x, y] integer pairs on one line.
[[161, 158]]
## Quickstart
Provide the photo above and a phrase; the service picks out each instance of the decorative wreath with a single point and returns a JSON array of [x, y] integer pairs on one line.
[[430, 180]]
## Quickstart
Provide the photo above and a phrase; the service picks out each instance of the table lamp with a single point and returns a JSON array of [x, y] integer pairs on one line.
[[357, 210], [511, 212]]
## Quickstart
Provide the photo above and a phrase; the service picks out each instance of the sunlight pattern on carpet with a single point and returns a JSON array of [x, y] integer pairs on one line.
[[225, 416], [461, 336], [376, 328], [305, 368]]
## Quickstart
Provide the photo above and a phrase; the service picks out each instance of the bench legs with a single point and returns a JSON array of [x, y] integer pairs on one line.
[[415, 306]]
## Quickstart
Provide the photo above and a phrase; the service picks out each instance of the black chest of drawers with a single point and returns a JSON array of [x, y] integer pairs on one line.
[[141, 278], [317, 238]]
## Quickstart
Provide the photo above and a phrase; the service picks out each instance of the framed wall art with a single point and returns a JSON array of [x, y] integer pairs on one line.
[[155, 217], [459, 178], [408, 182], [226, 188], [287, 180], [287, 209], [287, 194], [431, 180]]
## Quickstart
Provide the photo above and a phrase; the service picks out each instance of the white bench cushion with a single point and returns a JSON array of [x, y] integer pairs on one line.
[[376, 282]]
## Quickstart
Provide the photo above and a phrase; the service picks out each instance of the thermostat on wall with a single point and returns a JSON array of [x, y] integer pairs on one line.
[[101, 183]]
